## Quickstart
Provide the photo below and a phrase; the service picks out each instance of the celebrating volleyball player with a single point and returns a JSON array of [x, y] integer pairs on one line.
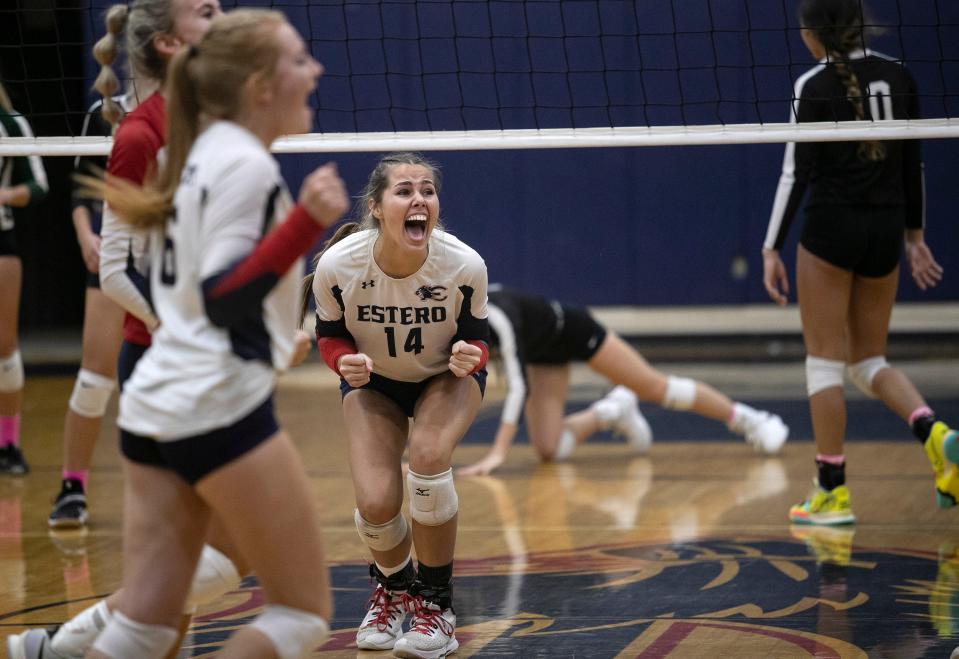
[[197, 427], [102, 318], [23, 182], [863, 199], [537, 339], [401, 317]]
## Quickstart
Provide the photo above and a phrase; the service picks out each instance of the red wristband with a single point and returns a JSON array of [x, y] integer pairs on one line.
[[483, 358], [332, 348]]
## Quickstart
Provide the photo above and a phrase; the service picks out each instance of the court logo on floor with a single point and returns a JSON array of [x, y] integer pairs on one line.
[[813, 595]]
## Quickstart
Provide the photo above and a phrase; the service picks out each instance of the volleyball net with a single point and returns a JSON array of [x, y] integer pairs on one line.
[[504, 74]]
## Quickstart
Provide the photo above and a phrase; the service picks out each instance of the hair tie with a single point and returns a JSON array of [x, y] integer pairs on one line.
[[193, 52]]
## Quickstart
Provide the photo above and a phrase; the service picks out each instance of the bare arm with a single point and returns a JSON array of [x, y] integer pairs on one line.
[[17, 196], [497, 454], [88, 241], [515, 395]]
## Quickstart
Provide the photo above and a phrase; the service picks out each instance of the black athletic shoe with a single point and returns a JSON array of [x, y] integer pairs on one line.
[[70, 508], [12, 461]]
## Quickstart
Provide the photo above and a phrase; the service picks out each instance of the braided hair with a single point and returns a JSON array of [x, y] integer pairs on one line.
[[839, 26], [137, 23]]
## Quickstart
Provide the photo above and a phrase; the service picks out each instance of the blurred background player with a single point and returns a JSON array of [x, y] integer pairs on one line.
[[864, 197], [23, 182], [537, 339], [102, 318]]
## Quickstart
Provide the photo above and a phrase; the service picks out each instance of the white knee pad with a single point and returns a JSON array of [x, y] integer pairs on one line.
[[862, 373], [293, 633], [680, 393], [91, 393], [124, 637], [381, 537], [215, 575], [11, 373], [822, 374], [433, 499]]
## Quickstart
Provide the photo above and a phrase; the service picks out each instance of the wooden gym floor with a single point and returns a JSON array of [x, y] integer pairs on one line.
[[684, 552]]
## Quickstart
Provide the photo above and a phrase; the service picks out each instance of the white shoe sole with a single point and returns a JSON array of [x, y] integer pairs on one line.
[[643, 438], [412, 653], [372, 645], [14, 649], [67, 522]]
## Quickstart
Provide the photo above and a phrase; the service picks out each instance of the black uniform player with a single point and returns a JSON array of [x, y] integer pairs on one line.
[[102, 325], [537, 339], [862, 199]]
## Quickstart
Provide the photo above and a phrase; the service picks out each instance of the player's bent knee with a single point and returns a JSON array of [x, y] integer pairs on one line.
[[381, 537], [822, 374], [11, 373], [124, 637], [433, 499], [863, 373], [293, 632], [215, 576], [91, 394], [680, 393]]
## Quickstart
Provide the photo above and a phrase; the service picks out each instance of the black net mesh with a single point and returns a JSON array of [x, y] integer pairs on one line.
[[404, 65]]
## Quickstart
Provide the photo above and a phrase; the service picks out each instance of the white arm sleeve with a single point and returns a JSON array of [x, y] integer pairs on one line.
[[120, 244], [515, 382], [237, 214]]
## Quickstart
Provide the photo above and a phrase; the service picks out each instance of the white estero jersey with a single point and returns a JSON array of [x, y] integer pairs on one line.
[[196, 376], [406, 326]]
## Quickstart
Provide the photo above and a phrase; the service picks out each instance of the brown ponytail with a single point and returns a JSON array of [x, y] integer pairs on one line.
[[306, 286], [105, 52]]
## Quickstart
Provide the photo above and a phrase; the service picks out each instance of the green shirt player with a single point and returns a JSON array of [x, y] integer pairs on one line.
[[22, 183]]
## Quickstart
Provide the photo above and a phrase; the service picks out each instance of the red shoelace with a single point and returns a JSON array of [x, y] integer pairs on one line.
[[427, 619], [389, 605]]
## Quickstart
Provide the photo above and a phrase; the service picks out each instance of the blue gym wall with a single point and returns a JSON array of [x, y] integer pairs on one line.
[[646, 226]]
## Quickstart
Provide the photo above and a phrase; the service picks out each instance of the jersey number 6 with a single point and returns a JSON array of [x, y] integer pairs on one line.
[[168, 262], [168, 258]]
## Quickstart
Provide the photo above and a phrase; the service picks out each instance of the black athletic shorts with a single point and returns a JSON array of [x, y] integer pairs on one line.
[[576, 338], [405, 394], [864, 239], [194, 457], [8, 242]]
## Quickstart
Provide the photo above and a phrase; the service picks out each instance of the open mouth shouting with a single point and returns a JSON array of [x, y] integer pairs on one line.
[[415, 227]]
